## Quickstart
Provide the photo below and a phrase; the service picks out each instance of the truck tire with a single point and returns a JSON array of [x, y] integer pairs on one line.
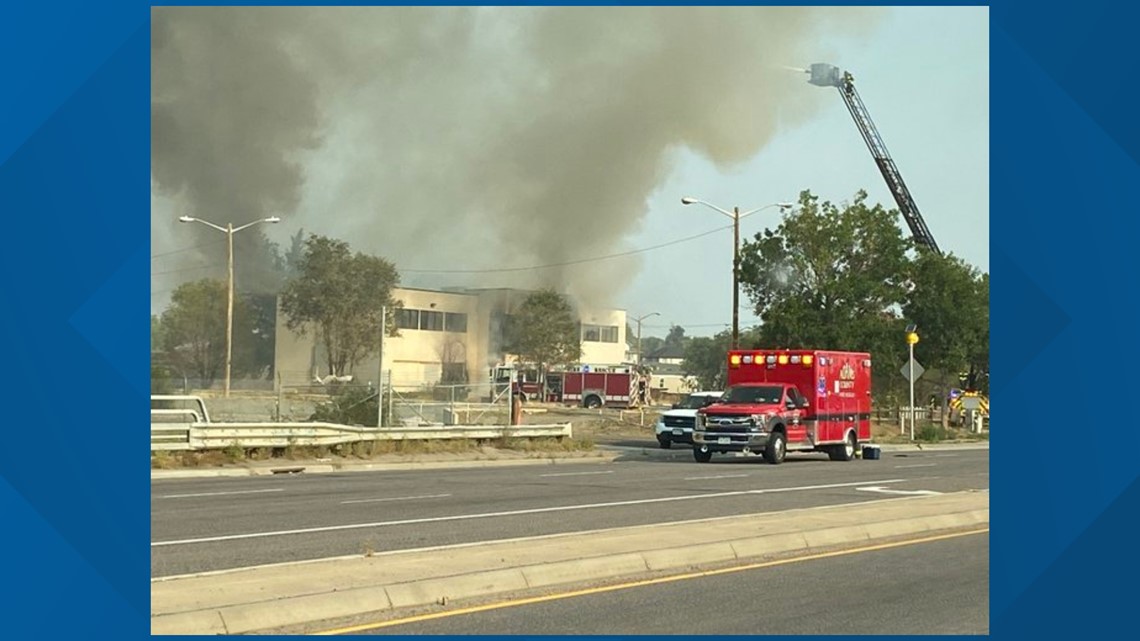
[[845, 452], [702, 457], [665, 442], [592, 402], [776, 449]]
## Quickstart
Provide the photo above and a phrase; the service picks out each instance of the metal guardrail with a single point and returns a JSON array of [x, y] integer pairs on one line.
[[200, 433], [202, 436]]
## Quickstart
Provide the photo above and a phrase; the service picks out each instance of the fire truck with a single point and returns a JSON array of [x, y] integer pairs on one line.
[[594, 386], [589, 386], [780, 401], [526, 384]]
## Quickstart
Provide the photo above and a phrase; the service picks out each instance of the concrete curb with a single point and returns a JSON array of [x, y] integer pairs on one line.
[[324, 468], [234, 606]]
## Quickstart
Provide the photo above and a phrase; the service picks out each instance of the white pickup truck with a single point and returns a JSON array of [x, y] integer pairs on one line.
[[676, 425]]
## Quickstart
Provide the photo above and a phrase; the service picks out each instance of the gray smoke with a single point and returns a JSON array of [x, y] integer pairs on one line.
[[469, 138]]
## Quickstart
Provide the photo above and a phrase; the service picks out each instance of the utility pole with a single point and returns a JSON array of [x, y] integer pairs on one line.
[[735, 277]]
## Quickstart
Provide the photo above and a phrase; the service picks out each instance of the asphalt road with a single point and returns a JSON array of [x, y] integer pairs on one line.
[[939, 587], [210, 524]]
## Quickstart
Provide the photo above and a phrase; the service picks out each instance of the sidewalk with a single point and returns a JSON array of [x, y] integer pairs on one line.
[[272, 597]]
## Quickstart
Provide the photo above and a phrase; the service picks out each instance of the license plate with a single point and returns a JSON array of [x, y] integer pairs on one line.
[[724, 440], [678, 432]]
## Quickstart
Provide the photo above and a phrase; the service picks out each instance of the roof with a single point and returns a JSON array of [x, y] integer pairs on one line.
[[668, 351]]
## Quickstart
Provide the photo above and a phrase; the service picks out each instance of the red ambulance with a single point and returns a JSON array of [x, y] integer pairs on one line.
[[780, 401]]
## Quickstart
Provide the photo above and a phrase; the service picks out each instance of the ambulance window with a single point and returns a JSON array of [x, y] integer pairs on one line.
[[794, 397]]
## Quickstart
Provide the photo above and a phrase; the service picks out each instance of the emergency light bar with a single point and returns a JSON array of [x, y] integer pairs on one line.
[[759, 358]]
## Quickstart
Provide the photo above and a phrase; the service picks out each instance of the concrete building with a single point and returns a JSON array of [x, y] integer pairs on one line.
[[446, 336]]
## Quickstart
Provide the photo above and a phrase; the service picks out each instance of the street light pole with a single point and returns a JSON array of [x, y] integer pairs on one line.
[[229, 305], [229, 230], [638, 321], [735, 215]]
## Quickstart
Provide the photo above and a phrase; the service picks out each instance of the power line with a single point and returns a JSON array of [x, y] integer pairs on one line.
[[569, 262], [186, 249]]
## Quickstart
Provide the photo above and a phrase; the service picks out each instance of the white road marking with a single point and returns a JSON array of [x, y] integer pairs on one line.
[[397, 498], [709, 478], [486, 515], [187, 496], [578, 473], [943, 455], [539, 537], [899, 467], [884, 490]]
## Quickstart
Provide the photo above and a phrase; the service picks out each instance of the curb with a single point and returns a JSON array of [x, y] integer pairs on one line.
[[302, 467], [970, 510]]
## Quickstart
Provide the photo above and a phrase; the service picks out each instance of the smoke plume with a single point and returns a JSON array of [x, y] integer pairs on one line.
[[464, 138]]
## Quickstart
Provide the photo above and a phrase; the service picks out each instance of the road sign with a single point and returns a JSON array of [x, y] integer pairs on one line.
[[918, 370]]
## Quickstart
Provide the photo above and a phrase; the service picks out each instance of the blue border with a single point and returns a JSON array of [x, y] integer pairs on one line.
[[74, 193]]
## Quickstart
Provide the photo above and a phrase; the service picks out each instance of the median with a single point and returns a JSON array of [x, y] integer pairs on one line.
[[288, 595]]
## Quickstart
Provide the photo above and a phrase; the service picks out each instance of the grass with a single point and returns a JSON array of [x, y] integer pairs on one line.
[[368, 450]]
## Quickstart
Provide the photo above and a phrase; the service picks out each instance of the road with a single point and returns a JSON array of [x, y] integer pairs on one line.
[[939, 587], [212, 524]]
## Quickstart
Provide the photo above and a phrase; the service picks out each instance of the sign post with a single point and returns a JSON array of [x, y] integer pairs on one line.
[[912, 370]]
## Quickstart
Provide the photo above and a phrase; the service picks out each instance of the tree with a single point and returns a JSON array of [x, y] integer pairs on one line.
[[193, 328], [831, 278], [706, 360], [950, 303], [544, 331], [338, 296]]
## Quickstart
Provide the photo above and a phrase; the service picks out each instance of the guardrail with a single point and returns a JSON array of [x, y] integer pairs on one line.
[[202, 436], [199, 433]]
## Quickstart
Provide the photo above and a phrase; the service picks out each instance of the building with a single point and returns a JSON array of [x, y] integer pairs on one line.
[[446, 336]]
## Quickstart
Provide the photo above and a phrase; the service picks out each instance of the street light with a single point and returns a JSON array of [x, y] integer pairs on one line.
[[638, 321], [735, 215], [229, 230]]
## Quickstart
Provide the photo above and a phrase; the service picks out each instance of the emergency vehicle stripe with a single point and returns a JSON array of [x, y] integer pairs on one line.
[[863, 416]]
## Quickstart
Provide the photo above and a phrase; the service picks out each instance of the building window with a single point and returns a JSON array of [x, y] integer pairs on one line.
[[431, 321], [600, 333], [455, 323], [408, 318]]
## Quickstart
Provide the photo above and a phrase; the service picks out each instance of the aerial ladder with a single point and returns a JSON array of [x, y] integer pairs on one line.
[[825, 75]]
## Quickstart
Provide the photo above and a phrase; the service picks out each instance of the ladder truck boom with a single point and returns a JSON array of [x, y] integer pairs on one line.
[[825, 75]]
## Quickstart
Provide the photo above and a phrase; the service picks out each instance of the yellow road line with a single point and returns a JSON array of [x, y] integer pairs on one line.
[[637, 584]]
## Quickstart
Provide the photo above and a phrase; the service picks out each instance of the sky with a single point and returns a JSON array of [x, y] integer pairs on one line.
[[522, 140], [924, 78]]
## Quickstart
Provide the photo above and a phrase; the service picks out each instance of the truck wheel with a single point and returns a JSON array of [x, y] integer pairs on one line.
[[593, 402], [664, 442], [845, 452], [776, 449], [702, 457]]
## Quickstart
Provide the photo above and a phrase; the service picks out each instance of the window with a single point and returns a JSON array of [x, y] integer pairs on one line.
[[431, 321], [455, 323], [750, 395], [408, 318], [600, 333]]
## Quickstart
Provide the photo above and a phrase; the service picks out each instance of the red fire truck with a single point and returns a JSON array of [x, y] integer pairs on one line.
[[593, 387], [789, 400], [587, 385]]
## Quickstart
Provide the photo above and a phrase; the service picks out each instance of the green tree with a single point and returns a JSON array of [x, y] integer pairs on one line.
[[545, 331], [193, 329], [706, 359], [831, 277], [338, 296], [949, 301]]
